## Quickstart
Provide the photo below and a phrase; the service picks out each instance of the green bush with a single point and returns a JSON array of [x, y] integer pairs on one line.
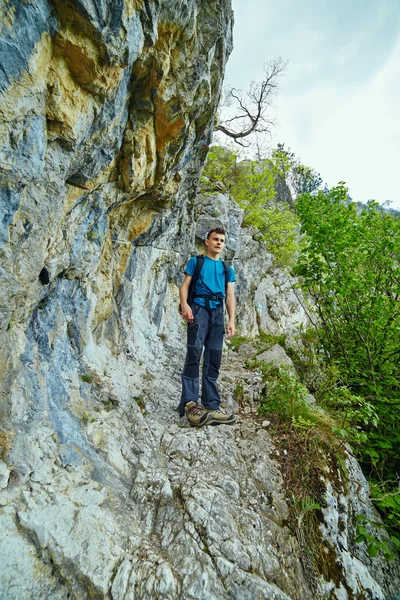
[[286, 396], [251, 183], [350, 266]]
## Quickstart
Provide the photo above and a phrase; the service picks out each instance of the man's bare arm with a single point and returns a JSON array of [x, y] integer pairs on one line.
[[230, 306], [183, 296]]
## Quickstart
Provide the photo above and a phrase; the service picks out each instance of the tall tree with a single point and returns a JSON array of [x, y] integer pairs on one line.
[[351, 269], [253, 108]]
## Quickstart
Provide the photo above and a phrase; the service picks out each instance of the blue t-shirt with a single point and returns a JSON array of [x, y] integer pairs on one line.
[[211, 280]]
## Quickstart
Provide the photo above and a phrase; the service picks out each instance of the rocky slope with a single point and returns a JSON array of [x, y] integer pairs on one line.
[[106, 116]]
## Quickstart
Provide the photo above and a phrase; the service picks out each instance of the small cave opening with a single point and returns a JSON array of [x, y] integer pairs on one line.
[[44, 276]]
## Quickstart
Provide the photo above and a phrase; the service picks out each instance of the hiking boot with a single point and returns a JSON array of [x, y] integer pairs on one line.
[[220, 417], [196, 415]]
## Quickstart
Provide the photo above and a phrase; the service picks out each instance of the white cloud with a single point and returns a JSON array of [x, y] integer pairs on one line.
[[350, 135], [338, 104]]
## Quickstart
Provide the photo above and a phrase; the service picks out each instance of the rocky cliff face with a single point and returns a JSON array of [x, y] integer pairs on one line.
[[106, 116]]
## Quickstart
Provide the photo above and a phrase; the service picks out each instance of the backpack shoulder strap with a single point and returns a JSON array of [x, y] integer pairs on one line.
[[226, 271], [195, 276], [197, 269]]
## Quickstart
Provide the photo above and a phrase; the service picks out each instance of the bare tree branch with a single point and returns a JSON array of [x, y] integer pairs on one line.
[[253, 107]]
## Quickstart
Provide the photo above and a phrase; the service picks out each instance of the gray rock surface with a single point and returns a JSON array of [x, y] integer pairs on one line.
[[106, 115], [276, 356]]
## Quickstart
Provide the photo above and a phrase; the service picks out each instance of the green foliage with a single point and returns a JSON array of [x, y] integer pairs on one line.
[[254, 191], [387, 499], [108, 404], [239, 393], [279, 230], [349, 264], [221, 167], [305, 505], [305, 180], [306, 449], [283, 161], [286, 397], [92, 235], [298, 177], [237, 341], [304, 352], [251, 183], [351, 268], [87, 378], [140, 402], [351, 413], [269, 339], [374, 545]]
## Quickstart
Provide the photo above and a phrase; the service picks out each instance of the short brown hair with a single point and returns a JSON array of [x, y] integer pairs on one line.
[[219, 230]]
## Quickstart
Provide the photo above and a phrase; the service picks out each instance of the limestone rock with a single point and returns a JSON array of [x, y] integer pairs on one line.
[[23, 574], [276, 356], [106, 116], [247, 350], [4, 475]]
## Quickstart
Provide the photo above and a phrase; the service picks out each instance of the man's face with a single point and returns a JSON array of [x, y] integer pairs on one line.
[[216, 243]]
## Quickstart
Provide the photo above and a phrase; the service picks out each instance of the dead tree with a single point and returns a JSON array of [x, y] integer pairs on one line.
[[254, 107]]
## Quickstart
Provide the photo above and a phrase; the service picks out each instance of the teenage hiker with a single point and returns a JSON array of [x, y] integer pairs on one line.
[[202, 305]]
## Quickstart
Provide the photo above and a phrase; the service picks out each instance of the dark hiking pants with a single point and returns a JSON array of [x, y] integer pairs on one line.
[[206, 332]]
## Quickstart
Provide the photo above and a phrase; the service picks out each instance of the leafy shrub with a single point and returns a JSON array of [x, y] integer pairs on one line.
[[285, 396], [350, 266], [251, 183]]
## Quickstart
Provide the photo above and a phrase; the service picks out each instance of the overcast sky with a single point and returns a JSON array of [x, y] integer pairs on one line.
[[338, 106]]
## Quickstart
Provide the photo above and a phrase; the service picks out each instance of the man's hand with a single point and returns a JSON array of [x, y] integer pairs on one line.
[[187, 313], [183, 296], [230, 330]]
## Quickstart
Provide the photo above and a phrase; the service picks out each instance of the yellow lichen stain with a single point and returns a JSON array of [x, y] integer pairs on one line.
[[168, 126], [98, 438], [69, 107], [126, 223], [80, 44], [162, 118], [78, 81], [170, 188], [132, 6], [103, 285], [173, 54], [73, 195], [140, 223], [6, 439], [7, 14], [169, 111], [77, 26], [82, 66], [139, 158], [85, 63]]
